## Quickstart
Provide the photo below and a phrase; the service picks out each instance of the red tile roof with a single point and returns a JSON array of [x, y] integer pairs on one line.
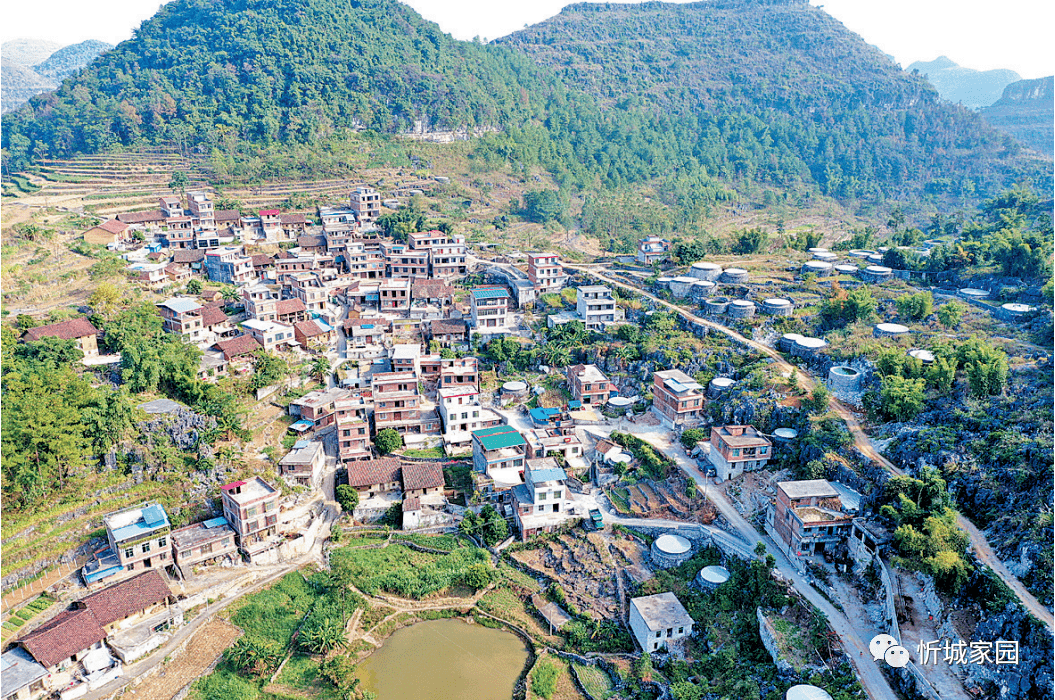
[[113, 226], [411, 504], [66, 330], [127, 597], [261, 260], [212, 315], [290, 306], [293, 219], [187, 255], [268, 212], [244, 344], [431, 289], [447, 327], [311, 240], [142, 217], [372, 472], [65, 635], [309, 329], [422, 475], [226, 215]]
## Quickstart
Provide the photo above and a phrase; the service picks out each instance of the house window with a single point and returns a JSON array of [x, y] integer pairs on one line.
[[162, 542], [659, 634], [130, 552], [146, 547], [681, 630]]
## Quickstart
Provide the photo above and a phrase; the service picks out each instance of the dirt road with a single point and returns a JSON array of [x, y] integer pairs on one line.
[[861, 441], [203, 649]]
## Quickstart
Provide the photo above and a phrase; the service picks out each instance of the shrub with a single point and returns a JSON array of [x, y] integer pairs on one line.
[[544, 679], [388, 440]]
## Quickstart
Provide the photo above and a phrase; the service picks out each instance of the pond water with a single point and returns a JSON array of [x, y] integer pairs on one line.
[[446, 659]]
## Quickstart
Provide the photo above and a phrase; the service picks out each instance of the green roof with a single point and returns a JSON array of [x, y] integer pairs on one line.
[[490, 293], [498, 436]]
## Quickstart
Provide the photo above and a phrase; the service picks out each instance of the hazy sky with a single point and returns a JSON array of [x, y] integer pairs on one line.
[[980, 34]]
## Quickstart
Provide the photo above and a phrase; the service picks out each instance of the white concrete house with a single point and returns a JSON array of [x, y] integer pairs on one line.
[[658, 621]]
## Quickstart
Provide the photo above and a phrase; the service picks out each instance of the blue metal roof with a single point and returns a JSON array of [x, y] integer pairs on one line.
[[301, 425], [490, 293], [574, 404], [541, 415], [150, 518], [300, 444], [154, 515], [215, 522], [93, 576], [549, 474]]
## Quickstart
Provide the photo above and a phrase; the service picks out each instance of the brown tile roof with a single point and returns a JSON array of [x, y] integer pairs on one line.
[[187, 255], [293, 219], [261, 260], [311, 240], [142, 217], [447, 326], [226, 215], [422, 475], [157, 256], [212, 315], [113, 226], [371, 472], [236, 347], [66, 330], [309, 329], [431, 289], [290, 306], [65, 635], [412, 503], [127, 597]]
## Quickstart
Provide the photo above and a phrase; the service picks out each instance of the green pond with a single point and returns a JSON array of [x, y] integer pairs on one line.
[[445, 660]]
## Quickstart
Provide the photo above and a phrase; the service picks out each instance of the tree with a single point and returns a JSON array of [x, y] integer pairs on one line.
[[110, 419], [691, 436], [105, 300], [388, 440], [901, 398], [478, 575], [942, 373], [493, 527], [950, 315], [268, 369], [321, 636], [230, 293], [842, 308], [817, 402], [255, 657], [916, 306], [748, 241], [543, 206], [320, 368], [688, 252], [179, 182], [194, 286], [985, 365], [347, 496]]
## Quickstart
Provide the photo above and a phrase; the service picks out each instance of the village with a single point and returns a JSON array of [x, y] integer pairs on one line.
[[416, 418]]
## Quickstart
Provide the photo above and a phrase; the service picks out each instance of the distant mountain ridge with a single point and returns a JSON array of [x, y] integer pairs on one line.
[[1026, 111], [34, 66], [967, 86], [693, 99]]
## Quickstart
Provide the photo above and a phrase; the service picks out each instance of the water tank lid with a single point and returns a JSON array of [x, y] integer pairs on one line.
[[664, 280], [778, 302], [922, 355], [672, 544], [807, 692], [621, 401], [817, 250], [706, 266], [787, 433], [792, 336], [819, 264], [1017, 308], [685, 279], [878, 269], [812, 343], [714, 574], [847, 268], [972, 292], [722, 381], [514, 386], [892, 328], [845, 371], [703, 283], [742, 302]]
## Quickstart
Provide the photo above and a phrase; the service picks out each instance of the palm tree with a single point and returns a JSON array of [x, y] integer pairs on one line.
[[230, 293], [319, 368]]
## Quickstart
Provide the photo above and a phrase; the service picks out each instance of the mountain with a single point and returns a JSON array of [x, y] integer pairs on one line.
[[967, 86], [1026, 111], [691, 99], [28, 52], [70, 59], [32, 66]]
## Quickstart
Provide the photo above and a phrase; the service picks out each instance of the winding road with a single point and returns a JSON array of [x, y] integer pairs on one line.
[[863, 443]]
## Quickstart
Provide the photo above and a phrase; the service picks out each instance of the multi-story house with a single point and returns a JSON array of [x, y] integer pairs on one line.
[[499, 453], [808, 517], [448, 332], [652, 249], [139, 536], [150, 274], [398, 404], [293, 226], [353, 437], [318, 407], [596, 307], [310, 289], [201, 543], [738, 448], [677, 397], [183, 317], [271, 335], [446, 254], [394, 295], [659, 620], [295, 264], [362, 333], [251, 508], [541, 502], [461, 414], [589, 385], [228, 265], [545, 272], [201, 209], [366, 203], [362, 261], [260, 302], [403, 261], [543, 442], [304, 463], [79, 329], [171, 206], [490, 309], [271, 224]]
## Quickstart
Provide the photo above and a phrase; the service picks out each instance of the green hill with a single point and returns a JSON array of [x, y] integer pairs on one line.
[[692, 99]]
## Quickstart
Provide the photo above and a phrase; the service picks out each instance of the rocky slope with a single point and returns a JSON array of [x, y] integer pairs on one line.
[[967, 86], [31, 67], [1026, 111]]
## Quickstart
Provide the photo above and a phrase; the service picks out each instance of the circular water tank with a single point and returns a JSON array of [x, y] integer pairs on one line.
[[971, 293], [807, 692], [702, 288], [706, 271], [847, 269], [664, 281], [817, 267], [741, 308], [514, 388], [719, 385], [889, 329], [876, 273], [716, 306], [825, 257], [784, 435], [875, 258], [787, 341], [843, 378], [924, 356], [734, 275], [621, 401], [814, 251], [861, 253], [710, 577], [1015, 310], [679, 286], [807, 347], [883, 249], [670, 550], [777, 307]]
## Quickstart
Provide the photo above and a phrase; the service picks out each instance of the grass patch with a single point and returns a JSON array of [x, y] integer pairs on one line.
[[620, 498], [595, 680], [426, 453], [544, 678], [447, 542], [405, 572]]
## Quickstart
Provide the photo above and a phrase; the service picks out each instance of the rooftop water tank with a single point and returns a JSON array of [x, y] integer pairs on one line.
[[670, 550]]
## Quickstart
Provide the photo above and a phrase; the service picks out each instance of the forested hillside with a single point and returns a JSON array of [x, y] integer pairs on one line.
[[695, 100]]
